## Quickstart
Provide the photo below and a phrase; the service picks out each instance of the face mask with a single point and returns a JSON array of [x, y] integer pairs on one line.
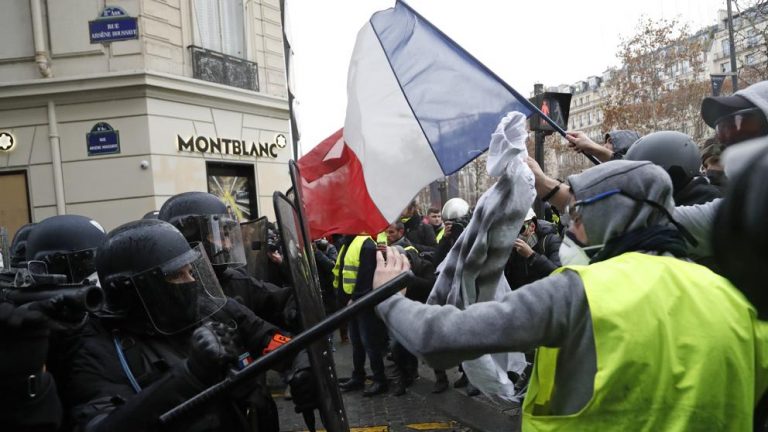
[[572, 252]]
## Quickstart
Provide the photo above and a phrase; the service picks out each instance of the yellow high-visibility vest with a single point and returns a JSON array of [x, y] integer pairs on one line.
[[678, 348], [440, 233], [351, 265]]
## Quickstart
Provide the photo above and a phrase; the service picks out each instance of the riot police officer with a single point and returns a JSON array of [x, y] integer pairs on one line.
[[37, 339], [67, 245], [167, 331], [203, 218]]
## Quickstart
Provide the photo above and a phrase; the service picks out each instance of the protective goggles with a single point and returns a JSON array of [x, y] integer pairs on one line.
[[741, 125], [573, 210]]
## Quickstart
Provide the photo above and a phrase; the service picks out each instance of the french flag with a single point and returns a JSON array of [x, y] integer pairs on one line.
[[419, 108]]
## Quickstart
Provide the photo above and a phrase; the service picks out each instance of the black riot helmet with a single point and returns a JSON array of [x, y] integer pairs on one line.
[[150, 274], [19, 246], [676, 152], [67, 244], [151, 215], [202, 217], [740, 234]]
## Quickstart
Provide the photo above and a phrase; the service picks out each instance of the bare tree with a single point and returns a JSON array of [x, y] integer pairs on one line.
[[662, 80]]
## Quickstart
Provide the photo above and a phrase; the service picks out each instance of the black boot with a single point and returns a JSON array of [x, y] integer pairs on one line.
[[441, 382], [398, 388], [376, 388], [461, 382], [352, 384]]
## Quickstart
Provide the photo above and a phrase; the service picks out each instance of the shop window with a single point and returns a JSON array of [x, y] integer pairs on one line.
[[235, 185]]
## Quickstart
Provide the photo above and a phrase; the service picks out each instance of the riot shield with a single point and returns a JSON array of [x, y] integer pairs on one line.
[[256, 247], [298, 254]]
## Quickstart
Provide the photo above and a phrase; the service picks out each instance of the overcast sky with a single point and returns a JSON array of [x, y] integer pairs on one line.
[[524, 42]]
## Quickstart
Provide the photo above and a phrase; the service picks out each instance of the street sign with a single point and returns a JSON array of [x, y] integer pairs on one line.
[[102, 139], [112, 25]]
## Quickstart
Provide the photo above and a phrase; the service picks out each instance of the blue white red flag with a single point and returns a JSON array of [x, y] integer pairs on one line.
[[419, 107]]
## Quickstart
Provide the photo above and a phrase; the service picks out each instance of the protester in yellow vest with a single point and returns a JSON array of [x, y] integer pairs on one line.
[[353, 278], [436, 220], [631, 336]]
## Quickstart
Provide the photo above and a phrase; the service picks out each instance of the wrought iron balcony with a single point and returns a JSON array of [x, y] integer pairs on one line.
[[220, 68]]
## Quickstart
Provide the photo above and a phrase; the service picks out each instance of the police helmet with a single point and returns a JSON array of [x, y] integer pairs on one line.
[[455, 208], [19, 245], [149, 273], [67, 244], [674, 151], [202, 217]]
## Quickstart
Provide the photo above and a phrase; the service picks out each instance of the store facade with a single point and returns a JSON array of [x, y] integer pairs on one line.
[[118, 128]]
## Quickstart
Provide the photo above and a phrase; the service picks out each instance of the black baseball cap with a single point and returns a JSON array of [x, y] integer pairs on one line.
[[714, 108]]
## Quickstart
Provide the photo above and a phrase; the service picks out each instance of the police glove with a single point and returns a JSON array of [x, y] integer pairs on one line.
[[256, 334], [23, 348], [214, 349], [303, 385]]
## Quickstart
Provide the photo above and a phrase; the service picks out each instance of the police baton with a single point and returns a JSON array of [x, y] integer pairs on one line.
[[301, 341]]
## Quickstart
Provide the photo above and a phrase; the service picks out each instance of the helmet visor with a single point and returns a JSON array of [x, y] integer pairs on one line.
[[76, 265], [223, 240], [180, 293]]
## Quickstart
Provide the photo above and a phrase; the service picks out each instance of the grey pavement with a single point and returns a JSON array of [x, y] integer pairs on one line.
[[418, 409]]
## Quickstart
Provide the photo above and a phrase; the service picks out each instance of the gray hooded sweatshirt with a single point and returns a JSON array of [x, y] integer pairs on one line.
[[550, 312]]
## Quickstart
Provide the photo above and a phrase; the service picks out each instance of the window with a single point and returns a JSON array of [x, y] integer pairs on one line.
[[752, 38], [725, 67], [220, 26], [726, 47]]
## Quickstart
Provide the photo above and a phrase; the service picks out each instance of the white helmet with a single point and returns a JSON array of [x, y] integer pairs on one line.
[[530, 215], [455, 208]]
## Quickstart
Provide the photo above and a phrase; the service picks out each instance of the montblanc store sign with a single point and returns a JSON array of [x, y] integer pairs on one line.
[[227, 146]]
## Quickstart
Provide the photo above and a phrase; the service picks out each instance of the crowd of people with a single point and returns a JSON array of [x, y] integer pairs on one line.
[[636, 299], [653, 318]]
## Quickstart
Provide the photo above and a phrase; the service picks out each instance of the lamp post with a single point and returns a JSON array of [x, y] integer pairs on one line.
[[732, 47]]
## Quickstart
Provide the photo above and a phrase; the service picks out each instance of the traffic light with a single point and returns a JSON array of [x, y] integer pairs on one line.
[[555, 106]]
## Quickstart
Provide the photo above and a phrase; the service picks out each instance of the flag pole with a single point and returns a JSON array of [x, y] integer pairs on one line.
[[509, 88]]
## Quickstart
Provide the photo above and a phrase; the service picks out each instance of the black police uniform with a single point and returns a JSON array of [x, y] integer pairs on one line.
[[270, 302], [105, 400]]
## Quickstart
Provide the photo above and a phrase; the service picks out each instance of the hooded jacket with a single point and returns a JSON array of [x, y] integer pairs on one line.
[[521, 271], [622, 140], [552, 311]]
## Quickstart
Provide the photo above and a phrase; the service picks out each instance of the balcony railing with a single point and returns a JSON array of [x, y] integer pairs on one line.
[[220, 68]]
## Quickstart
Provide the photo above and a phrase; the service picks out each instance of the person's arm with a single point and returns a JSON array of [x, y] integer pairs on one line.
[[544, 264], [537, 314], [324, 262], [579, 141], [545, 185], [364, 282], [699, 220]]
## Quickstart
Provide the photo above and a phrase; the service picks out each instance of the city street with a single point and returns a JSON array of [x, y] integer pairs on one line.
[[418, 410]]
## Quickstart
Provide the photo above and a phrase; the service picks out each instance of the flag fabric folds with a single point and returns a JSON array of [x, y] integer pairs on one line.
[[419, 107]]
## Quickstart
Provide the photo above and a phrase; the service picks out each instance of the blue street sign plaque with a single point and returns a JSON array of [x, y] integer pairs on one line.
[[102, 139], [113, 24]]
